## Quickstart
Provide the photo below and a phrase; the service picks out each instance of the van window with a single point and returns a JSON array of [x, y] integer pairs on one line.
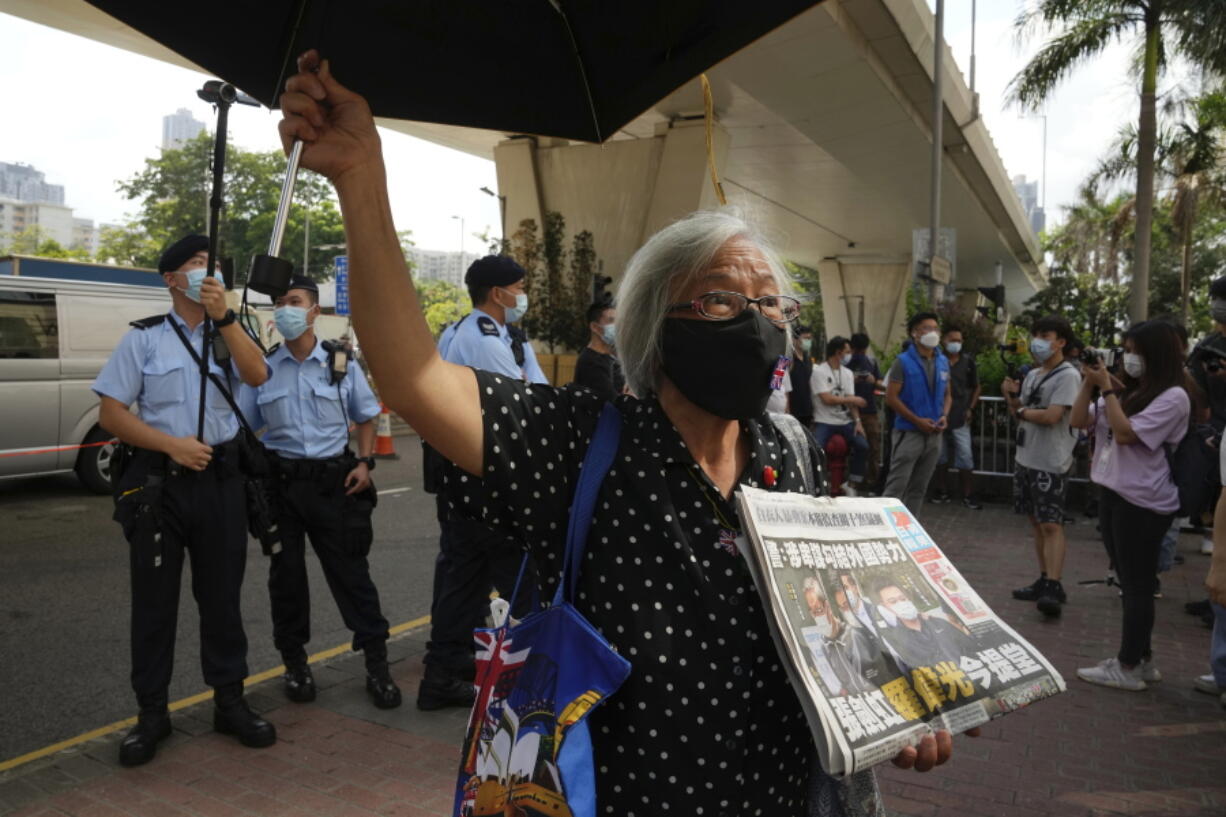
[[28, 325]]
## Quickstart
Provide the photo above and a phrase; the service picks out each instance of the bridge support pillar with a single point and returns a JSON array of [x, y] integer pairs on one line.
[[622, 191]]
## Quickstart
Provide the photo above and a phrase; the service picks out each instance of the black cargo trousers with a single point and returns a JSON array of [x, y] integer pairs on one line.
[[169, 512], [311, 502]]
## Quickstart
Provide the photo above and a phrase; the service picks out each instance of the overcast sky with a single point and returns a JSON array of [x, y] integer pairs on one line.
[[86, 130]]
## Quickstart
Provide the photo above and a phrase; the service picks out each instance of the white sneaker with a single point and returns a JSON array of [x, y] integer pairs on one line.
[[1206, 546], [1150, 673], [1208, 685], [1110, 673], [850, 490]]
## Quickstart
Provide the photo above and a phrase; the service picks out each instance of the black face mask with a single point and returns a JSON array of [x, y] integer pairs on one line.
[[724, 367]]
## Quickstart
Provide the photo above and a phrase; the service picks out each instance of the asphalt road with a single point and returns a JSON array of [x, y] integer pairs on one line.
[[64, 611]]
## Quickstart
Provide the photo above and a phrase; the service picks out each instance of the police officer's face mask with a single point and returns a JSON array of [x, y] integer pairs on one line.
[[291, 321], [724, 367], [194, 279], [514, 313]]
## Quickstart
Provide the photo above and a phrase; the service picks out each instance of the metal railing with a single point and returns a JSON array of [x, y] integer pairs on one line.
[[993, 438]]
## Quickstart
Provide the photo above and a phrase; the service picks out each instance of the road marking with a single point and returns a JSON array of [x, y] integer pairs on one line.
[[387, 491], [199, 697]]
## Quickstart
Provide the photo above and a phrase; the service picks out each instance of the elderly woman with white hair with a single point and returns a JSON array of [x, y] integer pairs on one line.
[[707, 722]]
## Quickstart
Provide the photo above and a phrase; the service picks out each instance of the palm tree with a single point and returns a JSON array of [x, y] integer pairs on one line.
[[1160, 29], [1190, 155], [1089, 241], [1196, 161]]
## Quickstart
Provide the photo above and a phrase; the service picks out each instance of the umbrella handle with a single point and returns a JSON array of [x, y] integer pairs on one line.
[[269, 273], [287, 198]]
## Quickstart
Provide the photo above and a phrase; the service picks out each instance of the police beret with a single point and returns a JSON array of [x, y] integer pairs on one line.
[[180, 252], [302, 282], [494, 271]]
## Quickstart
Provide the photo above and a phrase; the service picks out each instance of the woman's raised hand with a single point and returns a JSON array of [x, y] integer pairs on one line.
[[334, 123]]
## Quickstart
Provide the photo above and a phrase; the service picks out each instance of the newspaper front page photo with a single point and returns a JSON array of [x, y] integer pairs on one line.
[[885, 640]]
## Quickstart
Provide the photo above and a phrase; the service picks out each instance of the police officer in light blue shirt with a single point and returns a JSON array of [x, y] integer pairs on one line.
[[484, 338], [177, 495], [322, 491], [473, 559]]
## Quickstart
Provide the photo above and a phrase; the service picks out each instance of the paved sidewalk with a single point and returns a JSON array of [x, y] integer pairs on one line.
[[1089, 753]]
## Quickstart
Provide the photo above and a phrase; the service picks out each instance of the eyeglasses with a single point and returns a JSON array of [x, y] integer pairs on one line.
[[724, 306]]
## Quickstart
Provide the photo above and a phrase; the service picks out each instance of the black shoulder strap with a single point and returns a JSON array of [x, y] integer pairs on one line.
[[149, 322], [518, 338], [272, 350], [1035, 392], [221, 387]]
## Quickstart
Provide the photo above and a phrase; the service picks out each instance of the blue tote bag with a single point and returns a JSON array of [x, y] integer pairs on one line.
[[527, 749]]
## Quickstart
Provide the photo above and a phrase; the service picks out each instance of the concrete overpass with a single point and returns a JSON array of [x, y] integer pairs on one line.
[[823, 135]]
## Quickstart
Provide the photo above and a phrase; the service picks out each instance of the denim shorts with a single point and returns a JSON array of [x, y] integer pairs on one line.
[[959, 439]]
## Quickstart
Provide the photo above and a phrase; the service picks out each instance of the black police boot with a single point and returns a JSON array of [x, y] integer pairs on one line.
[[440, 689], [299, 683], [232, 716], [152, 726], [379, 684]]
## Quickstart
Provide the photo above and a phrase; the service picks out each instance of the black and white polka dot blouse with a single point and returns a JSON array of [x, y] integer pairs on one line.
[[707, 723]]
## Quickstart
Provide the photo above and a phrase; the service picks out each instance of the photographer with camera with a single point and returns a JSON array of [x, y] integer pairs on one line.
[[321, 491], [1044, 454], [1136, 421], [177, 496]]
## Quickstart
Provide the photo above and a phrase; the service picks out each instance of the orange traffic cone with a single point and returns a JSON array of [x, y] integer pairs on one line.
[[384, 449]]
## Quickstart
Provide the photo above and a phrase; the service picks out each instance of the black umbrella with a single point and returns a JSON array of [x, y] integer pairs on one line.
[[578, 69]]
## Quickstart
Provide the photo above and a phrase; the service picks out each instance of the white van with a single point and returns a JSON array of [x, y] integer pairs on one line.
[[55, 335]]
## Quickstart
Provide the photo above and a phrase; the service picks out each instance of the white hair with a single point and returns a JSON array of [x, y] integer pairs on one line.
[[663, 266], [811, 583]]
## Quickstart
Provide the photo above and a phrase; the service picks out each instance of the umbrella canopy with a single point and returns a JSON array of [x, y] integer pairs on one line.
[[577, 69]]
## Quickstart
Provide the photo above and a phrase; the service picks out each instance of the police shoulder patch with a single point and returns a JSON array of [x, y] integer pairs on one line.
[[148, 323], [487, 325]]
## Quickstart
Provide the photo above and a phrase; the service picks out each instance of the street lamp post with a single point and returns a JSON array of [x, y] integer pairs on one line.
[[938, 146]]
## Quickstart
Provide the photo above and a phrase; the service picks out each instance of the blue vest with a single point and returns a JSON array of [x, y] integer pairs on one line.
[[916, 395]]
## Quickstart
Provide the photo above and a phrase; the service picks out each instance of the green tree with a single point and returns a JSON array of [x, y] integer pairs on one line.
[[978, 334], [129, 246], [1096, 310], [172, 193], [1206, 262], [809, 290], [442, 303], [35, 241], [1160, 29], [1190, 162], [559, 280]]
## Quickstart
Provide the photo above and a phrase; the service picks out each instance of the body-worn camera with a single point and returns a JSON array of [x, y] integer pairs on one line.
[[1109, 357]]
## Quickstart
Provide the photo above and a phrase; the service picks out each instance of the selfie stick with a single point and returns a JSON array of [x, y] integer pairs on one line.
[[221, 95]]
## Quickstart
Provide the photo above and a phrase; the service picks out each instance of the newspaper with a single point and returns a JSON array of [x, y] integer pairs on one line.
[[884, 639]]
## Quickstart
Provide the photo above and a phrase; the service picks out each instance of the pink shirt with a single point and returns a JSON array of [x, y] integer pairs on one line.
[[1139, 472]]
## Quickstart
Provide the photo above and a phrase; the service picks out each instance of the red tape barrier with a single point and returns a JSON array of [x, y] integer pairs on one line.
[[54, 450]]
